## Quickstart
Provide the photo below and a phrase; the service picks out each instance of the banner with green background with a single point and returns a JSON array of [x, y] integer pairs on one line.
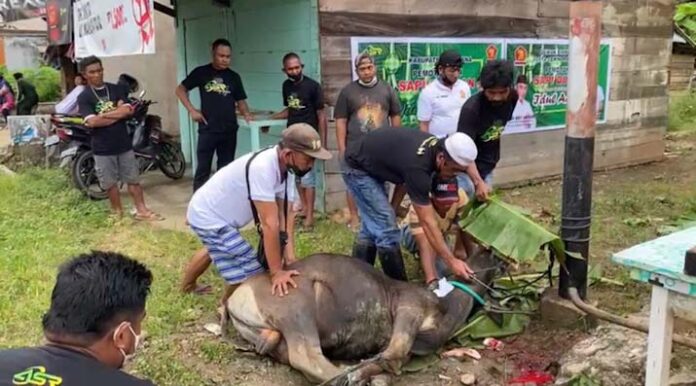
[[408, 65]]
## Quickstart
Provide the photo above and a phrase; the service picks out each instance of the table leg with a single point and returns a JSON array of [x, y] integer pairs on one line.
[[255, 137], [659, 337]]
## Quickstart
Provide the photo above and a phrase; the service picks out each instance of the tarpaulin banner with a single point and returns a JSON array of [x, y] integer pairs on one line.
[[114, 27], [408, 65], [59, 21], [544, 64]]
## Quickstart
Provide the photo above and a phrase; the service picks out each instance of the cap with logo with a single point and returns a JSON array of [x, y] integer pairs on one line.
[[450, 58], [304, 138], [445, 190], [461, 148]]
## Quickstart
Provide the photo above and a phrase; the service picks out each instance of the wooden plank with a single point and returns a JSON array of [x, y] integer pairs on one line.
[[658, 60], [332, 86], [335, 47], [334, 183], [377, 24], [554, 8], [503, 8], [659, 337]]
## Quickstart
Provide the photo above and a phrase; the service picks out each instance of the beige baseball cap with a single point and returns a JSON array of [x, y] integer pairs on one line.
[[305, 139]]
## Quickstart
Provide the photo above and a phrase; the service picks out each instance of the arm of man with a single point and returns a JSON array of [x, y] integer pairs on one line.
[[282, 114], [394, 108], [288, 225], [86, 107], [321, 115], [426, 216], [240, 97], [341, 112], [425, 112], [193, 80], [467, 125]]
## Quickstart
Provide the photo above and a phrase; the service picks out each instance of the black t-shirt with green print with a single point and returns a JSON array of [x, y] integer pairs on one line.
[[219, 90], [484, 122], [112, 139]]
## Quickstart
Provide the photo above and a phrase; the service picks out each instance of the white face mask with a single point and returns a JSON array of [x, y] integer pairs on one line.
[[128, 357]]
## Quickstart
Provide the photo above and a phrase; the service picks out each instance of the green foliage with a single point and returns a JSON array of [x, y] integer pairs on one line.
[[685, 20], [682, 112], [45, 79]]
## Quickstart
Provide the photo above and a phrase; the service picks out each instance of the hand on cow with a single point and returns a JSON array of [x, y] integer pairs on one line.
[[280, 281], [460, 268]]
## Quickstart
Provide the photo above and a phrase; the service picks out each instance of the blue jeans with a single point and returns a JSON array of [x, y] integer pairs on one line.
[[377, 218], [464, 182]]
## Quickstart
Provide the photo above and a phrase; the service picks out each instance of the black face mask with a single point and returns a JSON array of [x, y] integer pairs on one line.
[[295, 78], [445, 81], [297, 171]]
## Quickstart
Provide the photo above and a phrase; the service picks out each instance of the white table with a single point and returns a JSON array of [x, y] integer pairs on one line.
[[660, 262]]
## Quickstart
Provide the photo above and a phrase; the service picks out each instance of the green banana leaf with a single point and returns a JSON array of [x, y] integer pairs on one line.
[[505, 229]]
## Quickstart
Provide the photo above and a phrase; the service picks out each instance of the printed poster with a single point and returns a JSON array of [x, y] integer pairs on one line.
[[114, 27], [408, 65], [544, 65]]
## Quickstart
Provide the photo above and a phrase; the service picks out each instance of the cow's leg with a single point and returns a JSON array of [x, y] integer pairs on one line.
[[407, 321], [304, 352], [265, 340]]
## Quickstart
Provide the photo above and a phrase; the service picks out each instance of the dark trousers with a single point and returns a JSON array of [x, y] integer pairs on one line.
[[222, 144]]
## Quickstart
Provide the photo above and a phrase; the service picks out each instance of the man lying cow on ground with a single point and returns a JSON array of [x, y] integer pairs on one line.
[[344, 309], [253, 187]]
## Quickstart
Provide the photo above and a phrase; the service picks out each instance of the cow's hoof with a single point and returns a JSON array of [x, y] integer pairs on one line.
[[381, 380]]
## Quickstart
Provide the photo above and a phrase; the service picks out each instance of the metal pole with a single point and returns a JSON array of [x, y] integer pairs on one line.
[[581, 116]]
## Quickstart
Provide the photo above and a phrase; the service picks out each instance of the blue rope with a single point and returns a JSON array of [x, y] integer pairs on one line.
[[469, 291]]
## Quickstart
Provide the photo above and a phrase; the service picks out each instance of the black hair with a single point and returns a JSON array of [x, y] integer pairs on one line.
[[18, 75], [521, 79], [221, 42], [129, 83], [93, 293], [290, 55], [88, 61], [496, 73]]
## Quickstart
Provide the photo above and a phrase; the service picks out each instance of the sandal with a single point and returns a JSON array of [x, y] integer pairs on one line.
[[152, 216]]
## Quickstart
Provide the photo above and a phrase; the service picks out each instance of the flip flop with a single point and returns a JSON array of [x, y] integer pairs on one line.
[[202, 289], [152, 216]]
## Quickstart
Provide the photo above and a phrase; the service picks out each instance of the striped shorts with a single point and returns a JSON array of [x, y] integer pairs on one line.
[[233, 256]]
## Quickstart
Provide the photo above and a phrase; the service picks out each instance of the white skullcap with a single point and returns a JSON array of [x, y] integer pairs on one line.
[[461, 148]]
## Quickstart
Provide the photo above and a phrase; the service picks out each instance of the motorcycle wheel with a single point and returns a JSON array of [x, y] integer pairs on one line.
[[84, 176], [171, 160]]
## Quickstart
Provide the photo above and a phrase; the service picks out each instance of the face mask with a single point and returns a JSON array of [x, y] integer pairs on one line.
[[368, 84], [128, 357], [295, 78], [445, 81], [297, 171]]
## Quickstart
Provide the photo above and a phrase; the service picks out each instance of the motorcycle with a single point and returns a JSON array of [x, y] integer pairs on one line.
[[153, 148]]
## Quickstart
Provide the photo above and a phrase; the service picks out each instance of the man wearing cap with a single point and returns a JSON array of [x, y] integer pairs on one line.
[[411, 158], [440, 102], [447, 199], [223, 205]]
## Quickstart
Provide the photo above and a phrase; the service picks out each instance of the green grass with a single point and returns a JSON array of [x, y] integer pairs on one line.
[[43, 222], [682, 112]]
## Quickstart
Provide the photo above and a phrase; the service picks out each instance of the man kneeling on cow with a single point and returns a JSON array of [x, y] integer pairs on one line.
[[411, 158], [256, 187]]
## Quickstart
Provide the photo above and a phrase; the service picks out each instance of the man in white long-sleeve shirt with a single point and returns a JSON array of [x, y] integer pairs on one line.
[[68, 105]]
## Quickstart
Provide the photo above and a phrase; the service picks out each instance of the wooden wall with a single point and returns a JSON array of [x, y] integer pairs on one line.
[[681, 69], [640, 32]]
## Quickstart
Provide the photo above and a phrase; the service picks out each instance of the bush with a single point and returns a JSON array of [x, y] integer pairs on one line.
[[45, 79]]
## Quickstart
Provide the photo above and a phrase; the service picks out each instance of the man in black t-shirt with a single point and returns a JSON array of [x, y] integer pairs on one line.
[[221, 92], [92, 327], [105, 109], [411, 158], [304, 103], [483, 117]]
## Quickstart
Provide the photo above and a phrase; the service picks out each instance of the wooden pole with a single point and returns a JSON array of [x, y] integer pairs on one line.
[[581, 116]]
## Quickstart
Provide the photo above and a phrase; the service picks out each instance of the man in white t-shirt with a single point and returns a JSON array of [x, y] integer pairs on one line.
[[523, 119], [68, 105], [222, 206], [440, 102]]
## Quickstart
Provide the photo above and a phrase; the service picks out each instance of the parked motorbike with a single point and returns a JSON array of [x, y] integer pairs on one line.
[[154, 148]]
